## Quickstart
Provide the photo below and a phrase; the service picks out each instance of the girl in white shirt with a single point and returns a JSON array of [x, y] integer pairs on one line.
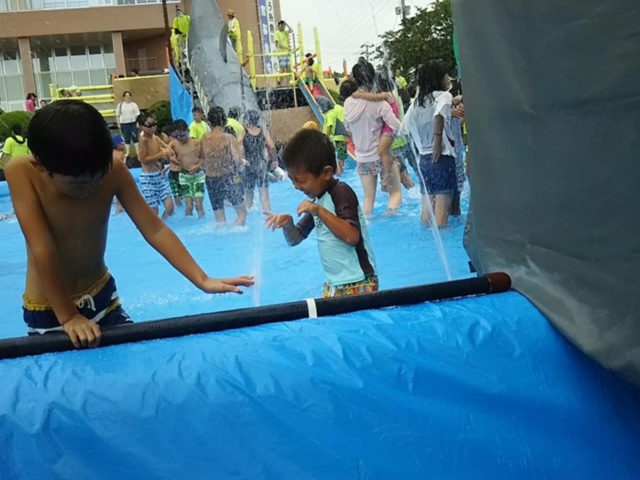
[[428, 121], [126, 116]]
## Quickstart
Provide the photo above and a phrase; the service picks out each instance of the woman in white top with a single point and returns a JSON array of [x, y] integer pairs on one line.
[[126, 116], [428, 122]]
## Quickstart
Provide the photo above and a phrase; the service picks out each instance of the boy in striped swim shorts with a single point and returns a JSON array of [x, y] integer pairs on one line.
[[151, 152]]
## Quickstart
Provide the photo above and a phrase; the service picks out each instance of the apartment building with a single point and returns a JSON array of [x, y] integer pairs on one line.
[[84, 42]]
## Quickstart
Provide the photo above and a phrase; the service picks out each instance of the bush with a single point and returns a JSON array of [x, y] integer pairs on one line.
[[161, 111], [335, 95], [13, 118]]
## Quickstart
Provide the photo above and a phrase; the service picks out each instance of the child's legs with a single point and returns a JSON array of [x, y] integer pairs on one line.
[[369, 172], [241, 212], [169, 207], [264, 199], [394, 187], [216, 197], [369, 184], [188, 209], [442, 209], [199, 194]]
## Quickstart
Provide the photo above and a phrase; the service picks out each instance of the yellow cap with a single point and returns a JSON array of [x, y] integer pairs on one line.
[[311, 125], [231, 13]]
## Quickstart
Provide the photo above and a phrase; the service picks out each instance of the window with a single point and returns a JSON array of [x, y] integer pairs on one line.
[[11, 63], [79, 59], [12, 95], [62, 60], [96, 59], [109, 57]]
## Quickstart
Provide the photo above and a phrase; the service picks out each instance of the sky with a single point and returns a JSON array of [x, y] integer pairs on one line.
[[344, 25]]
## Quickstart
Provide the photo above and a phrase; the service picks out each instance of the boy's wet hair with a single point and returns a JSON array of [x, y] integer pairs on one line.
[[71, 138], [347, 88], [143, 117], [168, 130], [217, 117], [235, 112], [252, 117], [180, 126], [309, 150], [197, 110], [310, 62], [16, 129], [385, 84]]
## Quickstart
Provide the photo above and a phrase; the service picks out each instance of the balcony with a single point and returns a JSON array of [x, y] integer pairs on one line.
[[35, 5]]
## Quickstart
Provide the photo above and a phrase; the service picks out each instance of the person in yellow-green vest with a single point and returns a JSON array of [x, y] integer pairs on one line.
[[234, 29], [179, 32], [14, 146]]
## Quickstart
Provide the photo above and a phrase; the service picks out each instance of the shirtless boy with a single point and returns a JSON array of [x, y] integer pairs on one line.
[[62, 196], [151, 152], [174, 167], [189, 153], [222, 158]]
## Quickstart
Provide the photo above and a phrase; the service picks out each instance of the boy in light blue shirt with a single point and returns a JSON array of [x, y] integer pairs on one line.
[[333, 211]]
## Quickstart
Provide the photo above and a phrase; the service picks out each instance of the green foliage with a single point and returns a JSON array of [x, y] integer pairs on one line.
[[335, 95], [426, 36], [161, 111], [7, 120]]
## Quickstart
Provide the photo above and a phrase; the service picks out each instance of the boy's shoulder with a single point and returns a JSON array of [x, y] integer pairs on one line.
[[22, 166], [342, 192]]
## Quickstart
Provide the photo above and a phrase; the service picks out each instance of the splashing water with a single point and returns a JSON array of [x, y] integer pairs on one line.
[[386, 64]]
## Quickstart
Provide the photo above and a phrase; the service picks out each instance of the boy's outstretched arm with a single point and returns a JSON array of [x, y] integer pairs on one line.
[[162, 238], [340, 227], [42, 246], [292, 232]]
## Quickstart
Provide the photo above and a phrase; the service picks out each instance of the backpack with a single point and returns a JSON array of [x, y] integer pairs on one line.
[[340, 129]]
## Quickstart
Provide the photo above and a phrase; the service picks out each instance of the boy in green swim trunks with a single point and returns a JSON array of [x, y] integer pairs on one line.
[[188, 152], [62, 195], [334, 213]]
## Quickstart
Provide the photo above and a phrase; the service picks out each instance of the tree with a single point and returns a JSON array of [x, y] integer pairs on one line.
[[426, 36]]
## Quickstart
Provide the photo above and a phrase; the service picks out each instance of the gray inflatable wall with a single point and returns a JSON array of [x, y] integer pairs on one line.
[[219, 78], [552, 94]]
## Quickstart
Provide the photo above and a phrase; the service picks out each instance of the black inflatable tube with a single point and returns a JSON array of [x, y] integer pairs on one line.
[[250, 317]]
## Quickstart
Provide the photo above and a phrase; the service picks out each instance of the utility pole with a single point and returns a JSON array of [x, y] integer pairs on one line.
[[365, 50], [403, 10]]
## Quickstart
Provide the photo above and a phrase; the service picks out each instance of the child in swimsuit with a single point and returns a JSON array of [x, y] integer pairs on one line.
[[333, 212], [192, 178], [174, 167], [62, 196], [221, 154], [151, 152], [256, 143]]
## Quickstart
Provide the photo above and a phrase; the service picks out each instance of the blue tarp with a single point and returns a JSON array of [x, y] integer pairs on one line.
[[468, 389], [181, 103]]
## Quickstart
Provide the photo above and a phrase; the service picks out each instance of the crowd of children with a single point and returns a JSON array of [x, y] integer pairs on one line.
[[222, 156], [63, 191]]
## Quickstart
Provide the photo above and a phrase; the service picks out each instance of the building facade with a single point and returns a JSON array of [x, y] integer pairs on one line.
[[84, 42]]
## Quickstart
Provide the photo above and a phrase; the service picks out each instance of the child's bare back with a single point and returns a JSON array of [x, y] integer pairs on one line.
[[188, 154], [77, 225], [62, 197]]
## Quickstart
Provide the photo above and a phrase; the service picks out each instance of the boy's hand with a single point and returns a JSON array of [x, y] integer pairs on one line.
[[308, 207], [226, 285], [83, 332], [278, 221]]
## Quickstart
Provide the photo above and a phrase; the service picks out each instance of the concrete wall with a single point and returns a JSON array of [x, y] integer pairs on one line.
[[285, 123], [145, 90], [82, 20]]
